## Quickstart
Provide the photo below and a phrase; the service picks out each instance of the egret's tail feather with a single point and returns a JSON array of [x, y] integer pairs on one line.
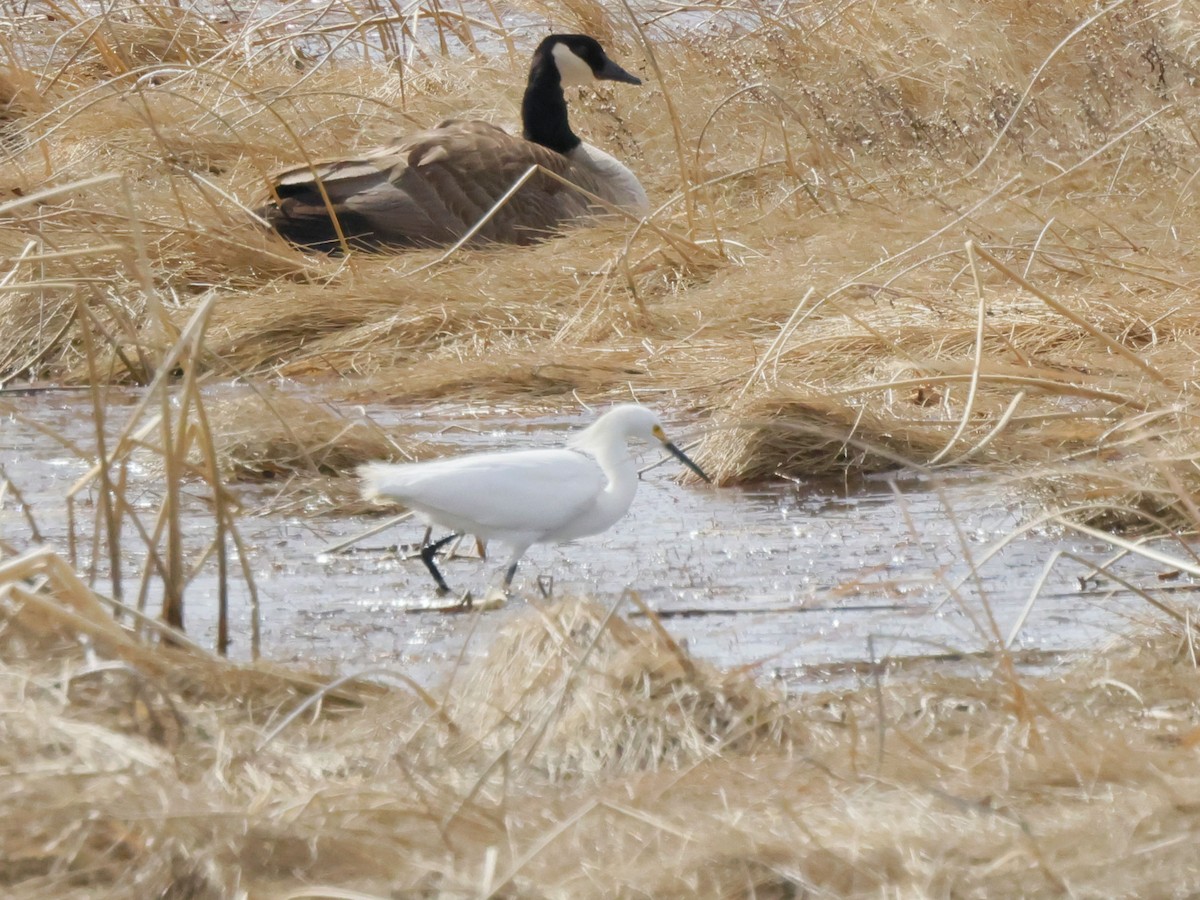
[[373, 476]]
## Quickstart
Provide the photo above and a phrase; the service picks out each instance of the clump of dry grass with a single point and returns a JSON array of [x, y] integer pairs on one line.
[[807, 274], [18, 97], [809, 432], [581, 756], [304, 448], [265, 436], [127, 37], [599, 696]]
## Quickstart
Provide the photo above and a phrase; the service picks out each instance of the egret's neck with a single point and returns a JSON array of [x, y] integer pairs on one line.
[[618, 466]]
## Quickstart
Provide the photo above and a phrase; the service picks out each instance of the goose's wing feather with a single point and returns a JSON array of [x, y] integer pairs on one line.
[[492, 494], [430, 188]]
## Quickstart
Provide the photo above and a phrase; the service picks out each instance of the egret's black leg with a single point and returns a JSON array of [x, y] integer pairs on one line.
[[429, 553], [518, 552]]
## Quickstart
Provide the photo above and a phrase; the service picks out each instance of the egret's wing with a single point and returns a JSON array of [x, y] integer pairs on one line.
[[529, 491]]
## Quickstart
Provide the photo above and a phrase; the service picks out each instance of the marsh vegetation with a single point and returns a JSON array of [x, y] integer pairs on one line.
[[933, 235]]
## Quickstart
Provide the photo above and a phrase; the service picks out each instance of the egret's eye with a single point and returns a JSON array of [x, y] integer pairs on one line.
[[659, 433]]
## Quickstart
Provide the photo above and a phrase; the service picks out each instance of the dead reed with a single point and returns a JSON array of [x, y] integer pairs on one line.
[[808, 277], [261, 436], [945, 234], [584, 757]]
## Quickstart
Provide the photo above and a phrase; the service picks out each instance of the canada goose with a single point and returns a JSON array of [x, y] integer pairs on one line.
[[432, 187]]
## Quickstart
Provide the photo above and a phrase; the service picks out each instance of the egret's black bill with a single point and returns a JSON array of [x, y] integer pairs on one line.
[[683, 458]]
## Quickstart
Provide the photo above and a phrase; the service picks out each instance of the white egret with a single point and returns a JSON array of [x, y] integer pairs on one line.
[[527, 497]]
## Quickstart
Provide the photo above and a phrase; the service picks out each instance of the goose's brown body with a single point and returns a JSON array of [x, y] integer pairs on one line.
[[433, 187], [425, 190]]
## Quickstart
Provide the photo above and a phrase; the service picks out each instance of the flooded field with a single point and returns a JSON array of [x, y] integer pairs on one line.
[[797, 580]]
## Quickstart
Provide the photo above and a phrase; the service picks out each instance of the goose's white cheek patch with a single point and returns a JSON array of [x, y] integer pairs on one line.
[[571, 68]]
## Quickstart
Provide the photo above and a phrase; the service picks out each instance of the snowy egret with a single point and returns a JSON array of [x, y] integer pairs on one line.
[[527, 497]]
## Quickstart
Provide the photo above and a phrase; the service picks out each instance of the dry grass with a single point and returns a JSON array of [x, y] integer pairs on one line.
[[806, 277], [581, 757], [266, 436], [948, 233]]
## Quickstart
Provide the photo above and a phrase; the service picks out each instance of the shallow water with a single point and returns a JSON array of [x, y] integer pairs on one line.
[[798, 581]]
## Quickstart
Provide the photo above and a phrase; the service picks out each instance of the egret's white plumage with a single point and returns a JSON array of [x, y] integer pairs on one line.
[[528, 497]]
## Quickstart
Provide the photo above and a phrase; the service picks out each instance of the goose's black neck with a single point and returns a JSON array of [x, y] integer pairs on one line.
[[544, 109]]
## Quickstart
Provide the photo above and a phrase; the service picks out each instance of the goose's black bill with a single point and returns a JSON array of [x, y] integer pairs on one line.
[[610, 71], [683, 458]]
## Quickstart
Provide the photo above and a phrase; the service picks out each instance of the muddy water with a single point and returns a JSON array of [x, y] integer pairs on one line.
[[796, 580]]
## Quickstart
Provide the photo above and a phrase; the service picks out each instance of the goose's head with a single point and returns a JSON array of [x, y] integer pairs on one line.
[[579, 60]]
